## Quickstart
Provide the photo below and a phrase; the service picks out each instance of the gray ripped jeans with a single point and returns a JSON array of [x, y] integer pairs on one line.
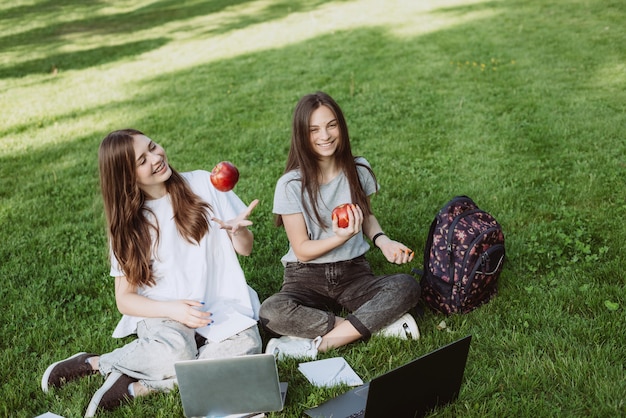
[[162, 342], [312, 293]]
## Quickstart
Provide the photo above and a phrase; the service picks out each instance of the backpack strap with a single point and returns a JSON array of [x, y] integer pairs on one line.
[[417, 272]]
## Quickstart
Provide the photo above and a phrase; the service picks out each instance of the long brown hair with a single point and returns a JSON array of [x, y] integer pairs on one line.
[[303, 157], [128, 226]]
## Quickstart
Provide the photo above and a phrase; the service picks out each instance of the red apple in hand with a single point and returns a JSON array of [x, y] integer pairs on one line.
[[224, 176], [341, 212]]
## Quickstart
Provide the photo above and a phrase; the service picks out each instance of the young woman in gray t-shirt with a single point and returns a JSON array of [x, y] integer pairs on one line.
[[326, 272]]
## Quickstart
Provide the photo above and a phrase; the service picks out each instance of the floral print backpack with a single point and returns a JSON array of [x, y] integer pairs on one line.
[[463, 258]]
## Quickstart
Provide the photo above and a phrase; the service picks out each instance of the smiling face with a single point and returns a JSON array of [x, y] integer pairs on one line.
[[324, 132], [151, 167]]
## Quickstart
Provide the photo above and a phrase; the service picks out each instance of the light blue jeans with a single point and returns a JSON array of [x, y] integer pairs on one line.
[[162, 342]]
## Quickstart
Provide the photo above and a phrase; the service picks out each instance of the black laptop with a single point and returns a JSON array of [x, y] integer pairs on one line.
[[411, 390]]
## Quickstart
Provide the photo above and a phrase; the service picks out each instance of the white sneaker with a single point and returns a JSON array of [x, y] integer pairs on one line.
[[405, 328], [296, 347]]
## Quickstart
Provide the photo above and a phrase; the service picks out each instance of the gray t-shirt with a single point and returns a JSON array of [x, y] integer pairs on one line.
[[287, 201]]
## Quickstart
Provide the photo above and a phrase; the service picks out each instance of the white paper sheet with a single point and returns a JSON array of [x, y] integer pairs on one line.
[[330, 372], [225, 324]]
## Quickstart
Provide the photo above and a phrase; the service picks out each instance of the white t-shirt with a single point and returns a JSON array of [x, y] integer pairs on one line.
[[287, 201], [208, 272]]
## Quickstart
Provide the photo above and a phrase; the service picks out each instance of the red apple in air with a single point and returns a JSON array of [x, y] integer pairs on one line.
[[341, 212], [224, 176]]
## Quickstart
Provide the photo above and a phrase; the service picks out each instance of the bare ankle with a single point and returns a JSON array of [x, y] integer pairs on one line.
[[94, 362], [140, 390]]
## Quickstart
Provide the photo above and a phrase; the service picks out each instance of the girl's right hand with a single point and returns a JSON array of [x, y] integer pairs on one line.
[[355, 223], [190, 313]]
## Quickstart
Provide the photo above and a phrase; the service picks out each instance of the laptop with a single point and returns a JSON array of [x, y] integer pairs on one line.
[[244, 385], [411, 390]]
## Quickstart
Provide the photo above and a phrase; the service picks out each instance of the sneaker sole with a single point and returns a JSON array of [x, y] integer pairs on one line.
[[46, 375], [97, 397]]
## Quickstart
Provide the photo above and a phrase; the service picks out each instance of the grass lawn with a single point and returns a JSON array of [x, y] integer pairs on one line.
[[519, 104]]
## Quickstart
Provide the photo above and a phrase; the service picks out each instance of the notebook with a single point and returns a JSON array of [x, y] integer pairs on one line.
[[411, 390], [228, 386]]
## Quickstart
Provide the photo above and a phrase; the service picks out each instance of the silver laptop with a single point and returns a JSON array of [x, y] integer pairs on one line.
[[228, 386], [411, 390]]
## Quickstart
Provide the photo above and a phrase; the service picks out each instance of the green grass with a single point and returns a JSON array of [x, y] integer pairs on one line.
[[519, 104]]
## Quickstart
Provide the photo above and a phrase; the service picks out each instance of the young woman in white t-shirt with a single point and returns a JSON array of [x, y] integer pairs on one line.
[[326, 273], [174, 241]]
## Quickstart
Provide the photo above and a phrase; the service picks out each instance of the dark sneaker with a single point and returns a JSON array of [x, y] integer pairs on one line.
[[113, 393], [61, 372]]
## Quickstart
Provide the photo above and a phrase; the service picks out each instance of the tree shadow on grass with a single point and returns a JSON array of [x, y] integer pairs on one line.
[[81, 59], [150, 16]]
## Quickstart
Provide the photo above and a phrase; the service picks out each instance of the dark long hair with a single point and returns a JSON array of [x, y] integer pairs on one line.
[[128, 227], [303, 157]]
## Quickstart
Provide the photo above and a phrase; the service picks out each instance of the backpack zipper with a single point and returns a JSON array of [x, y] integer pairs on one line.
[[449, 248]]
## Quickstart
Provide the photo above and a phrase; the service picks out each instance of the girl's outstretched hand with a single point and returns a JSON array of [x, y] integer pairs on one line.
[[241, 221], [355, 222], [189, 313], [394, 251]]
